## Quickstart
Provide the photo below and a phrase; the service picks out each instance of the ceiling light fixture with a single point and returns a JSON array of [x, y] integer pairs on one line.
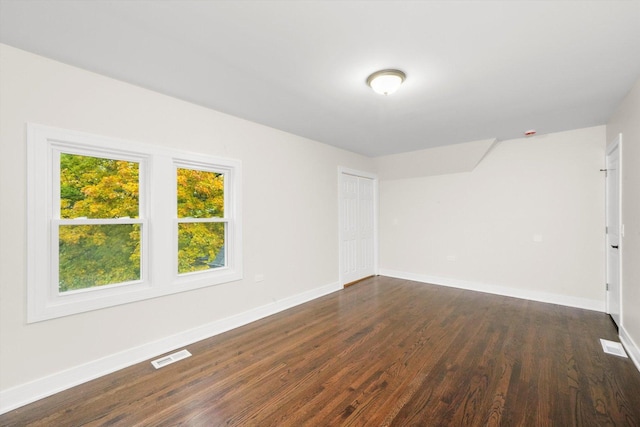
[[386, 82]]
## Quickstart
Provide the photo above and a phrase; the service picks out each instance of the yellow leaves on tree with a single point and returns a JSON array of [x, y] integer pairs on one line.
[[95, 255], [98, 188], [200, 195]]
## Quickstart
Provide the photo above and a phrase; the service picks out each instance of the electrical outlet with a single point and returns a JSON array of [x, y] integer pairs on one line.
[[258, 278]]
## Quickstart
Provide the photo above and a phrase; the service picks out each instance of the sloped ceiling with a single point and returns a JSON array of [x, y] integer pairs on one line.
[[475, 69]]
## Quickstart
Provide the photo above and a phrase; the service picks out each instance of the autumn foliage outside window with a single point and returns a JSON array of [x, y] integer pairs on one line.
[[103, 252], [201, 224], [106, 253]]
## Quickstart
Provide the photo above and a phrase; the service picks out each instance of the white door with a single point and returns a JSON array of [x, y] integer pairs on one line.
[[613, 230], [357, 227]]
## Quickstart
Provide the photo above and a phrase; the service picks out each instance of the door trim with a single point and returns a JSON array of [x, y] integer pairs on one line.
[[362, 174]]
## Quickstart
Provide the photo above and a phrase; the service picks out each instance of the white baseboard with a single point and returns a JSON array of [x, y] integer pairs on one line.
[[499, 290], [30, 392], [630, 346]]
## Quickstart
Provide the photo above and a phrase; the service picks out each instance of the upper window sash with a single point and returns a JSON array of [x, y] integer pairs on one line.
[[59, 148], [228, 180]]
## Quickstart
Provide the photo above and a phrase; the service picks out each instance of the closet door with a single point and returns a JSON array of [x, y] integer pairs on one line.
[[357, 227]]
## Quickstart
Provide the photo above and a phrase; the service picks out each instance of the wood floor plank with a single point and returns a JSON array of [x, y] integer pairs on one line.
[[384, 352]]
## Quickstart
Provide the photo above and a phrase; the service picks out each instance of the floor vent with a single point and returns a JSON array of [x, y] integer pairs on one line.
[[614, 348], [168, 360]]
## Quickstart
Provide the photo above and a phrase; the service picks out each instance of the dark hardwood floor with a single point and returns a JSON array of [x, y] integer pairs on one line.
[[382, 352]]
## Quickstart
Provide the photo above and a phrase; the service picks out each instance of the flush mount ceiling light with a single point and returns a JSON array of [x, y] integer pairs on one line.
[[386, 82]]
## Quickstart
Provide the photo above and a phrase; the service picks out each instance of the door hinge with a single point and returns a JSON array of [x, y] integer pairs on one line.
[[607, 286], [606, 230]]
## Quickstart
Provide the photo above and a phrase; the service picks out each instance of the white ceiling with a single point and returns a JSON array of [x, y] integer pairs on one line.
[[475, 69]]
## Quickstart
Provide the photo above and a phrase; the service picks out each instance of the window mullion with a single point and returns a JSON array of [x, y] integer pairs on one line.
[[162, 190]]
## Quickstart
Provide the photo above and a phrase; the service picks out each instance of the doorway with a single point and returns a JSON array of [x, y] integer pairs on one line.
[[613, 229], [358, 222]]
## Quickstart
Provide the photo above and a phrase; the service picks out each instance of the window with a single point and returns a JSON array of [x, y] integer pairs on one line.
[[201, 224], [106, 228], [97, 226]]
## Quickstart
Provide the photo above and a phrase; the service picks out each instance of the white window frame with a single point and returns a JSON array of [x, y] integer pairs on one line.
[[58, 147], [230, 207], [157, 216]]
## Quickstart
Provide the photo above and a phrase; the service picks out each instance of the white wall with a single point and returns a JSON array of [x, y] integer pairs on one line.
[[290, 202], [476, 229], [445, 159], [626, 120]]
